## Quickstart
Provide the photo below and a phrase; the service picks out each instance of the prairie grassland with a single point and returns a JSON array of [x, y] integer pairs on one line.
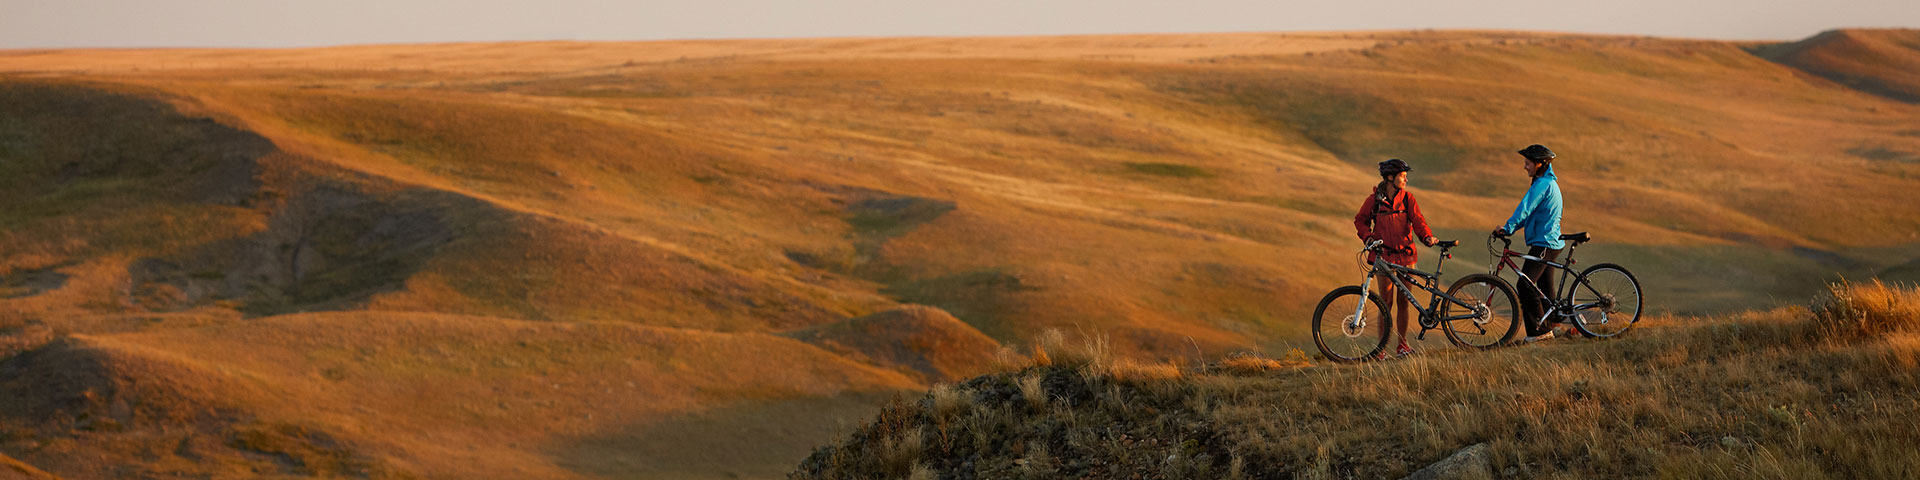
[[1171, 197], [1823, 392], [1193, 194]]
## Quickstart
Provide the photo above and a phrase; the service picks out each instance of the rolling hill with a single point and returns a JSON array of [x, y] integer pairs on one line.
[[699, 259]]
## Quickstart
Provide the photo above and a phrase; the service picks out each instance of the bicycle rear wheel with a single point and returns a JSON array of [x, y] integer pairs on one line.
[[1495, 307], [1340, 335], [1612, 297]]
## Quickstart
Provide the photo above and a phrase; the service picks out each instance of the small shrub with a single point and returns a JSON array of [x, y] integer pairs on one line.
[[1854, 310]]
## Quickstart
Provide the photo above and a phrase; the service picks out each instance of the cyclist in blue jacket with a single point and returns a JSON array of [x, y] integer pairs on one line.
[[1539, 215]]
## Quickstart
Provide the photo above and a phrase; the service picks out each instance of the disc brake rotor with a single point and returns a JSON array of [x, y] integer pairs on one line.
[[1351, 327]]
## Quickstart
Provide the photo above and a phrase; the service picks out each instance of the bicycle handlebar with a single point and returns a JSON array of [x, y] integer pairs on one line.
[[1506, 239], [1441, 244]]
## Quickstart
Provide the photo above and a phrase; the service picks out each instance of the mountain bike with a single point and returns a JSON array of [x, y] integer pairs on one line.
[[1602, 302], [1478, 311]]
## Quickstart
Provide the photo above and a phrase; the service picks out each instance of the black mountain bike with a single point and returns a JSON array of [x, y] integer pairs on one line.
[[1602, 302], [1478, 312]]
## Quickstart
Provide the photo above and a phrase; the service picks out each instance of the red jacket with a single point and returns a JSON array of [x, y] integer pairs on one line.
[[1396, 221]]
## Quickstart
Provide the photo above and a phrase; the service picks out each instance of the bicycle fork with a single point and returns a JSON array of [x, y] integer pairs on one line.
[[1359, 320]]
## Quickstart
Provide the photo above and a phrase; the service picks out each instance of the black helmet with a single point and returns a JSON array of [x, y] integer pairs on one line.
[[1393, 166], [1537, 152]]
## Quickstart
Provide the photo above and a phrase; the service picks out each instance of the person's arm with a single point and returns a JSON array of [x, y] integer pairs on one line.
[[1363, 222], [1418, 221], [1534, 194]]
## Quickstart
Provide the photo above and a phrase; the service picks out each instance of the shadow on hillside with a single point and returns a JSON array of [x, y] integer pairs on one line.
[[30, 282], [875, 217], [79, 140], [331, 247]]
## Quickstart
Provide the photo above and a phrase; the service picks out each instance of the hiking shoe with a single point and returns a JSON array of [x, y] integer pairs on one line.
[[1536, 338], [1404, 350]]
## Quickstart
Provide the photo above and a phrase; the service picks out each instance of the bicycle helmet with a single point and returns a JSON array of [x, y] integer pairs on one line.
[[1393, 166], [1537, 152]]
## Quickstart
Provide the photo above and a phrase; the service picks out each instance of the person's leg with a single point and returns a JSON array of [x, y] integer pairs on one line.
[[1387, 292], [1402, 309], [1385, 287], [1400, 318], [1545, 282], [1530, 305]]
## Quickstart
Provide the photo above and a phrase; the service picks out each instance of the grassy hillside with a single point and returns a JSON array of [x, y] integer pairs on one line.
[[1880, 62], [446, 260], [389, 395], [1786, 394]]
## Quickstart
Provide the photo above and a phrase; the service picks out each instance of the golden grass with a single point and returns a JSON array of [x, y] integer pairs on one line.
[[1758, 395], [1149, 198], [1849, 310]]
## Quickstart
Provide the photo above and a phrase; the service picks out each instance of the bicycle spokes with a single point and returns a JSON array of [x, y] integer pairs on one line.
[[1606, 301]]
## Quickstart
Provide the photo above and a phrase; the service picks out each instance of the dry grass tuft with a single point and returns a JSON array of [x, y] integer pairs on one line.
[[1033, 391], [900, 455], [1040, 357], [1849, 311], [922, 472], [949, 400], [1130, 371], [1009, 359], [1093, 351], [1250, 363]]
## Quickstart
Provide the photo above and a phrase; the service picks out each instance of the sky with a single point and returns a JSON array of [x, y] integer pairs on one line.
[[291, 23]]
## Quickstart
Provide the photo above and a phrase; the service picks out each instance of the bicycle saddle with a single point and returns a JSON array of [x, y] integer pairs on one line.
[[1447, 243], [1577, 238]]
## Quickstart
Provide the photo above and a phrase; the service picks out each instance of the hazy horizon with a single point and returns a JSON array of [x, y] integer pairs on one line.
[[241, 23]]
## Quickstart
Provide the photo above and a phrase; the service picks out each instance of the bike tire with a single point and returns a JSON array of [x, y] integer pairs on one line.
[[1611, 282], [1503, 312], [1337, 344]]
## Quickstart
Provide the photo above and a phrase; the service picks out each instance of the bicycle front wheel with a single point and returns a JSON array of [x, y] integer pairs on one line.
[[1347, 332], [1606, 301], [1495, 310]]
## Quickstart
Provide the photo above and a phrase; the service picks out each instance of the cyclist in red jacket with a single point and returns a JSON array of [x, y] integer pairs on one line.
[[1391, 215]]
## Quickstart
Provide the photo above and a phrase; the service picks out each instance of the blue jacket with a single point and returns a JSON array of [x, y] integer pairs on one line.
[[1539, 213]]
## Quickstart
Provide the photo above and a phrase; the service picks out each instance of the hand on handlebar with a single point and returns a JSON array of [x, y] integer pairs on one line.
[[1374, 243], [1501, 233]]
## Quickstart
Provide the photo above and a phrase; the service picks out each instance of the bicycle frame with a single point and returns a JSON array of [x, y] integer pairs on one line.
[[1561, 292], [1429, 317]]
